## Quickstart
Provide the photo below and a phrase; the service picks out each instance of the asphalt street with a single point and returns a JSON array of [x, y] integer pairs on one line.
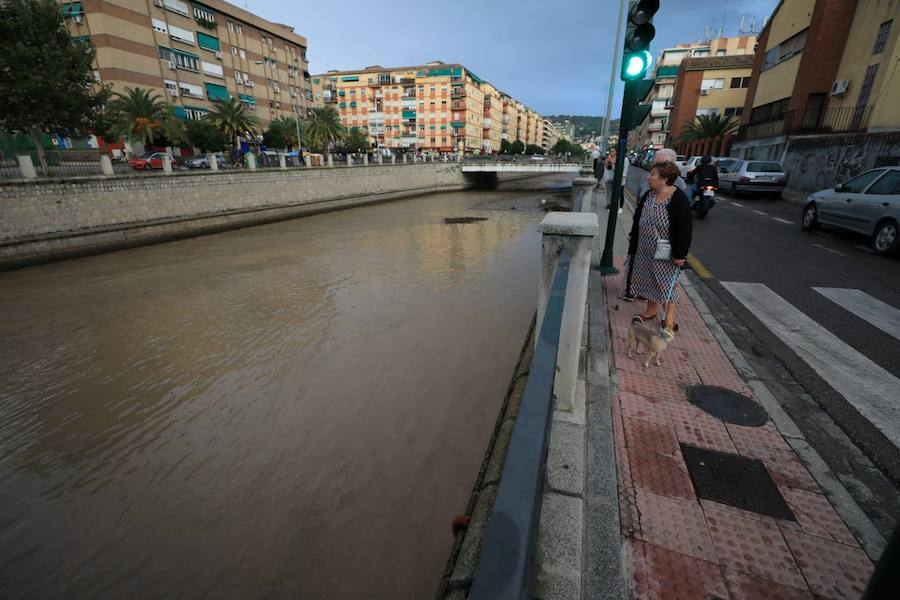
[[821, 313]]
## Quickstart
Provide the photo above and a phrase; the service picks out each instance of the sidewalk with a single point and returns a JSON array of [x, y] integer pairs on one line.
[[678, 545]]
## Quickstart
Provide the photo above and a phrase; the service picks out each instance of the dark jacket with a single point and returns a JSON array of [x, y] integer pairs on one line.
[[706, 173], [680, 224]]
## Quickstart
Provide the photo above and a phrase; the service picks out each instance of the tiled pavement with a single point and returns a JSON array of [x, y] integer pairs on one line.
[[678, 546]]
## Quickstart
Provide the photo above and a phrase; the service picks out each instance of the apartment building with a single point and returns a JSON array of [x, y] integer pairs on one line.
[[437, 106], [713, 85], [192, 53], [823, 69], [653, 132], [550, 134]]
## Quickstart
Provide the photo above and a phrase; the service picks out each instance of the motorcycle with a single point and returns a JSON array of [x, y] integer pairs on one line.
[[704, 199]]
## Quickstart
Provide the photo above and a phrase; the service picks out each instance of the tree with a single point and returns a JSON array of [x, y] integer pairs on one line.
[[356, 141], [708, 127], [324, 128], [204, 135], [504, 146], [533, 149], [517, 147], [561, 147], [45, 76], [282, 133], [139, 115], [232, 118]]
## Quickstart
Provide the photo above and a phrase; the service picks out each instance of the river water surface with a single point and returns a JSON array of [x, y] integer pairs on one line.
[[295, 410]]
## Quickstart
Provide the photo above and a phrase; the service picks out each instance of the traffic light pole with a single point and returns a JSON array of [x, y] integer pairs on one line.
[[628, 102]]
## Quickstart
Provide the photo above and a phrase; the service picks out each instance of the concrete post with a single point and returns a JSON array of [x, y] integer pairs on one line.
[[393, 159], [575, 231], [167, 164], [307, 159], [379, 158], [26, 167], [106, 165], [251, 161], [330, 160], [404, 158], [366, 159], [583, 194], [349, 160], [213, 161], [586, 171], [282, 161], [444, 158], [459, 156], [432, 158]]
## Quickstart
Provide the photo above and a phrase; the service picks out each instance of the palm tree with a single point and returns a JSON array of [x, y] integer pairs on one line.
[[324, 128], [139, 115], [282, 133], [233, 119], [708, 127]]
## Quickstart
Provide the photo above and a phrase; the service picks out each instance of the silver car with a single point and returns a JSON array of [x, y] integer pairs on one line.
[[752, 176], [869, 204]]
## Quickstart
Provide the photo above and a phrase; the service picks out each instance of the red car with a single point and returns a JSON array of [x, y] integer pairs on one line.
[[147, 162]]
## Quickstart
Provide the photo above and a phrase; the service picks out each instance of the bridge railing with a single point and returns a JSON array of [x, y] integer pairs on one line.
[[506, 565]]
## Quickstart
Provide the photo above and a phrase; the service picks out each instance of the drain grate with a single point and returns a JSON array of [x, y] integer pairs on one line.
[[736, 481], [727, 406]]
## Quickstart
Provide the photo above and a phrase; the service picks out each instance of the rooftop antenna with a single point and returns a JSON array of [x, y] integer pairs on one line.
[[722, 26], [741, 26]]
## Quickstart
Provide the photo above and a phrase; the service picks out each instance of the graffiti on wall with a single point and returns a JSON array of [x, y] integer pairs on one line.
[[819, 162]]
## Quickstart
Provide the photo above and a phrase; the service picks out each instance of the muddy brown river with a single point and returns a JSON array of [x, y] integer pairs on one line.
[[295, 410]]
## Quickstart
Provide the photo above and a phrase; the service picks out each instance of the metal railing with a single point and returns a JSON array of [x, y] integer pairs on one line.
[[845, 119], [506, 565]]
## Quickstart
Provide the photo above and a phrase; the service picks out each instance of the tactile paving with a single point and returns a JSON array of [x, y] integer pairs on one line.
[[647, 385], [754, 547], [696, 428], [645, 408], [815, 516], [676, 524], [833, 570], [654, 460], [742, 586], [661, 574]]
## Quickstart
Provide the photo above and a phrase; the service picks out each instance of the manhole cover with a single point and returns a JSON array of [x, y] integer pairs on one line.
[[736, 481], [451, 220], [727, 406]]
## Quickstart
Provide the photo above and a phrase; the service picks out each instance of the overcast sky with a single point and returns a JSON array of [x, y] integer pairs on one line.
[[553, 55]]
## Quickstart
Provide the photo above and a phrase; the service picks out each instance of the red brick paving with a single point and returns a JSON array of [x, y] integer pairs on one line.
[[677, 546]]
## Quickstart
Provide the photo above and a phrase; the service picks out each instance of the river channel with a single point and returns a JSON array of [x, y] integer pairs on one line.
[[294, 410]]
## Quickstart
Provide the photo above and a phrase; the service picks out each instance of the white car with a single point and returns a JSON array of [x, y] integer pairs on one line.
[[689, 165], [538, 157]]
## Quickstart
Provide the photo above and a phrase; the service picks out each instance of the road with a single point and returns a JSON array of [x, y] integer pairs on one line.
[[821, 303]]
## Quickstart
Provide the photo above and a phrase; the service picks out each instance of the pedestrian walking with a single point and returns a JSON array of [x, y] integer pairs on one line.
[[660, 240], [609, 169]]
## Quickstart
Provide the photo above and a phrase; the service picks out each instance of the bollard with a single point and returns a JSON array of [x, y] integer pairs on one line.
[[404, 158], [365, 159], [282, 161], [167, 164], [26, 167], [213, 161], [106, 165], [349, 160], [577, 232], [459, 156], [586, 171], [393, 159], [583, 194], [379, 158], [307, 160], [251, 161], [330, 160]]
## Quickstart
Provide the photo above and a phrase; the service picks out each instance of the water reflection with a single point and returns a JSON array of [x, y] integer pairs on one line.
[[293, 410]]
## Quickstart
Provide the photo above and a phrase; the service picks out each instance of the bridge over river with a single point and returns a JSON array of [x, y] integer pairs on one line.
[[293, 410]]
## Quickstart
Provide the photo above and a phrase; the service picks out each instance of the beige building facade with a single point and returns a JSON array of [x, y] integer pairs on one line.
[[191, 53], [437, 107]]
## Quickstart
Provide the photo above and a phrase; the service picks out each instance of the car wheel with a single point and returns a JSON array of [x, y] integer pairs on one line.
[[776, 195], [148, 167], [810, 219], [887, 238]]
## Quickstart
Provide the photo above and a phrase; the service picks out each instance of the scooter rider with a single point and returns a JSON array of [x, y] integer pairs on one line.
[[705, 174]]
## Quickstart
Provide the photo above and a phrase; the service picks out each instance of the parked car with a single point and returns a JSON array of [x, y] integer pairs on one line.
[[680, 161], [538, 157], [154, 160], [751, 176], [868, 203], [202, 162]]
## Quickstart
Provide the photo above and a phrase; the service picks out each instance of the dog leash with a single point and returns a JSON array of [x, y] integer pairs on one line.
[[674, 281]]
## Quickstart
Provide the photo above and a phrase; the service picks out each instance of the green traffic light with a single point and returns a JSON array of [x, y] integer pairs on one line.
[[637, 64]]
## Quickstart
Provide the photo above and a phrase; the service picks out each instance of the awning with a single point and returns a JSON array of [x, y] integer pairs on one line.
[[247, 99], [180, 112], [208, 41], [72, 9], [216, 92]]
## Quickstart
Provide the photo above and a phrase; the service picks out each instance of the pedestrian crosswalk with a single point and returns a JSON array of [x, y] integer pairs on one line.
[[870, 389]]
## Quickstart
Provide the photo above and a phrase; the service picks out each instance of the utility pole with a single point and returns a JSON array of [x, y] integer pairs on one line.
[[604, 133]]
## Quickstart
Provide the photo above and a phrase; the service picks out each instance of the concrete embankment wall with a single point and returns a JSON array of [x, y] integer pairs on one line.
[[46, 220]]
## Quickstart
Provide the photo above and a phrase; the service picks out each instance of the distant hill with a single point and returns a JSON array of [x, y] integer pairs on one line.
[[584, 125]]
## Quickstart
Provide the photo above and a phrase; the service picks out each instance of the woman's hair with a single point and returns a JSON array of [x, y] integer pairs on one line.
[[667, 170]]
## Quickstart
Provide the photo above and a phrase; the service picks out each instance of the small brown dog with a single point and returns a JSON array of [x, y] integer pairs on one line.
[[655, 341]]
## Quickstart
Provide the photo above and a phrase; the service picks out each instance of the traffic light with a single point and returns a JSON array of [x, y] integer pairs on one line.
[[639, 32], [633, 111]]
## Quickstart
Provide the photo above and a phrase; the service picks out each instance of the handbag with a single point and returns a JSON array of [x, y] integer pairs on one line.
[[663, 248]]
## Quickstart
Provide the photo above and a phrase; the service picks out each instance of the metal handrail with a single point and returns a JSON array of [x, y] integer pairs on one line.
[[506, 565]]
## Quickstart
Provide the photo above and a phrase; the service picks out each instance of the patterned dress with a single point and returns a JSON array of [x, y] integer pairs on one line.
[[652, 278]]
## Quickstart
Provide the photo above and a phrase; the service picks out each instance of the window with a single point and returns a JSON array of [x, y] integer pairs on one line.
[[740, 82], [700, 52], [707, 111], [785, 50], [176, 6], [238, 77], [159, 26], [861, 105], [734, 112], [883, 32], [182, 35], [186, 61], [195, 114], [712, 84], [720, 52], [204, 17], [208, 42], [171, 86], [889, 185], [858, 184], [242, 53], [764, 167], [234, 51], [212, 69], [189, 89]]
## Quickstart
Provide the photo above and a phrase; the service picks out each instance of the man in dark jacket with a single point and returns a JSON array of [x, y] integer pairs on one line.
[[705, 174]]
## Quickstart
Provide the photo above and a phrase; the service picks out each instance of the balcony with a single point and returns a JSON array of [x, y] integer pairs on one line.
[[458, 92], [486, 124], [848, 119], [458, 106]]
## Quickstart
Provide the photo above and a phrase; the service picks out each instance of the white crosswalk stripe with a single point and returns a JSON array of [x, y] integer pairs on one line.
[[870, 389], [883, 316]]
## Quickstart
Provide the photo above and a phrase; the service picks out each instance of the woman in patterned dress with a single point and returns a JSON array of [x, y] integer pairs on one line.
[[664, 213]]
